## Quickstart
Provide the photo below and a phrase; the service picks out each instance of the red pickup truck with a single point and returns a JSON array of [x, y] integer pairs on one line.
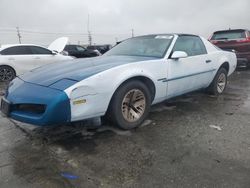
[[237, 40]]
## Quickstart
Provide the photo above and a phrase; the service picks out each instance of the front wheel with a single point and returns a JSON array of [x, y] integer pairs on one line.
[[130, 105], [6, 73], [219, 83]]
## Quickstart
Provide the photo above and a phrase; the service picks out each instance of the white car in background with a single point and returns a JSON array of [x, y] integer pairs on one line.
[[17, 59]]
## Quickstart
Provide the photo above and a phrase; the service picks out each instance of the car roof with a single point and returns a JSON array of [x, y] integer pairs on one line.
[[99, 45], [231, 30], [178, 34], [73, 45]]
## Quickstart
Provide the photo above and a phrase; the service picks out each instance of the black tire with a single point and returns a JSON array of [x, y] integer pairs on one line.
[[132, 92], [7, 73], [248, 65], [214, 87]]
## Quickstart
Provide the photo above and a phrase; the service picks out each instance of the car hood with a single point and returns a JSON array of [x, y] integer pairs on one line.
[[77, 69], [59, 44]]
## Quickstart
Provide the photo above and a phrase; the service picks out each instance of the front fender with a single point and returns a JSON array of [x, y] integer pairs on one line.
[[105, 84]]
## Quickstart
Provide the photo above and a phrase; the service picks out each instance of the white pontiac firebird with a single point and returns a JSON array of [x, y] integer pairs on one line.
[[120, 85]]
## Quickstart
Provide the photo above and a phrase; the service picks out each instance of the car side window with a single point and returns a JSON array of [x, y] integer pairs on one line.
[[70, 48], [39, 50], [91, 48], [17, 50], [192, 45], [80, 49]]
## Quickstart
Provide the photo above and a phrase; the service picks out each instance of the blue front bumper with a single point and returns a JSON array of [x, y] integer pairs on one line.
[[55, 103]]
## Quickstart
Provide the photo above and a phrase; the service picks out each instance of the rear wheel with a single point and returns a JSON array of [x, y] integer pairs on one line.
[[130, 105], [248, 65], [219, 83], [6, 73]]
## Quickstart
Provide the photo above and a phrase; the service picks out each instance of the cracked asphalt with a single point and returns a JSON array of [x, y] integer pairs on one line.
[[192, 141]]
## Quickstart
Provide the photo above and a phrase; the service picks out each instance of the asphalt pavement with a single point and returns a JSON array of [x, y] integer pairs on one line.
[[195, 140]]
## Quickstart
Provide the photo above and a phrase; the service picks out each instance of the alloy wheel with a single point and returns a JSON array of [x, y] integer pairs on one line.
[[133, 105], [221, 84], [6, 74]]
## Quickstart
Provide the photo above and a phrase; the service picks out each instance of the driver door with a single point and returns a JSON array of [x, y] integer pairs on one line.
[[190, 73]]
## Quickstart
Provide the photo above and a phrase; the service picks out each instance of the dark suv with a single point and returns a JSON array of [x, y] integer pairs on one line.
[[101, 48], [237, 40], [79, 51]]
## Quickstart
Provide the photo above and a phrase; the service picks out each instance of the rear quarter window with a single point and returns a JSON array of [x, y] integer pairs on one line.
[[39, 51]]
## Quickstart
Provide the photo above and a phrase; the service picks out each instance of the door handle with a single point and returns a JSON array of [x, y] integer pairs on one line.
[[11, 59], [208, 61], [37, 58]]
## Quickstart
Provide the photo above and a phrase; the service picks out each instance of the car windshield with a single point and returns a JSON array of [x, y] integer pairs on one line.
[[146, 46], [229, 35]]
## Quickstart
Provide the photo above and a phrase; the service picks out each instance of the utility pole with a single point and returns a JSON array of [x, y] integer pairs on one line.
[[89, 33], [132, 32], [90, 38], [19, 35]]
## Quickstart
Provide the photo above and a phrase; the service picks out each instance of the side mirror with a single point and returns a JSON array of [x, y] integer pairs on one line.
[[179, 54]]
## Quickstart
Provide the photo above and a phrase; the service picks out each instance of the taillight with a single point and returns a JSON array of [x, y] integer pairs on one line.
[[214, 41], [244, 40]]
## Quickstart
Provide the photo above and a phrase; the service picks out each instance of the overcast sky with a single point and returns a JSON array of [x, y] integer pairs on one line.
[[42, 21]]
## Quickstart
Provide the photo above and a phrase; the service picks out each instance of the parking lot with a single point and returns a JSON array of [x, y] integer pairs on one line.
[[195, 140]]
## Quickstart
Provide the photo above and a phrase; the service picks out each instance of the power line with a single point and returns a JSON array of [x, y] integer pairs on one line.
[[23, 34], [61, 33], [8, 30], [41, 32], [52, 33]]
